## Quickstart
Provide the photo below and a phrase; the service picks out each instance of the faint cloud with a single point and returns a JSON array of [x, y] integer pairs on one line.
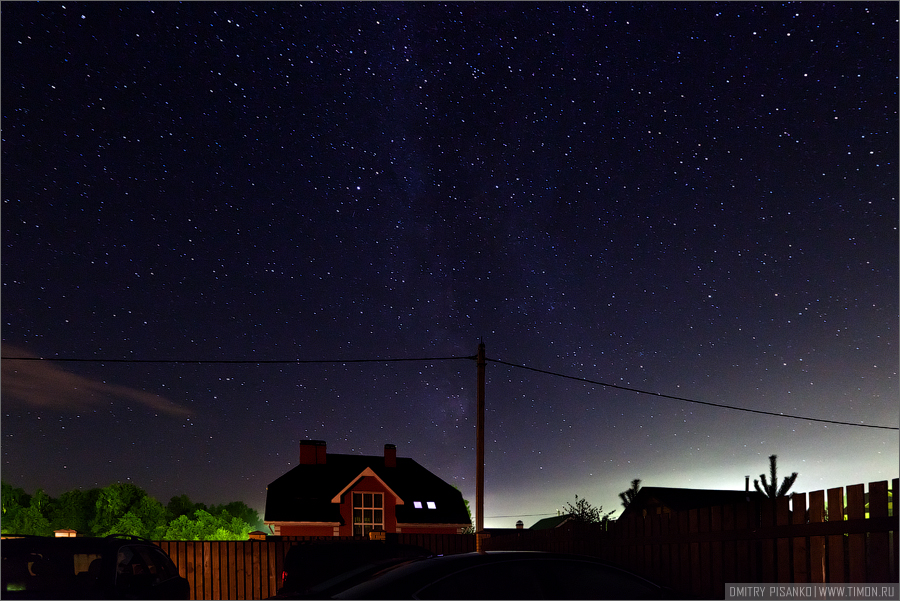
[[42, 385]]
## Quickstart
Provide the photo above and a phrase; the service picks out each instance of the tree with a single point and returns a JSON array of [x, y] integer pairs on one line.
[[181, 528], [629, 495], [769, 488], [13, 498], [582, 511], [128, 524], [74, 509], [182, 505], [14, 501], [28, 520], [113, 502], [239, 509]]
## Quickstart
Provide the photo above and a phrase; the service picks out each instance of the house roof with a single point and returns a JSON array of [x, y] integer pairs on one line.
[[306, 493], [548, 523], [682, 499]]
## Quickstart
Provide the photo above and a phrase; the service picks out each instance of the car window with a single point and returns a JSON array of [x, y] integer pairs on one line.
[[496, 580], [139, 567], [158, 563]]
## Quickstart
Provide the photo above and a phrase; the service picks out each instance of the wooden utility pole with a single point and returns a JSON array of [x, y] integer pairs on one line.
[[479, 451]]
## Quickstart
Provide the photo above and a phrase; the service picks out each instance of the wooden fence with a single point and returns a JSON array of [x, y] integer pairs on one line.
[[818, 537], [697, 552], [252, 569]]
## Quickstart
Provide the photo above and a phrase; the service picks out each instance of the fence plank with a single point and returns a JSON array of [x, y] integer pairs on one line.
[[681, 522], [856, 509], [717, 581], [783, 545], [878, 569], [836, 571], [817, 543], [729, 546], [892, 508], [768, 558], [704, 563], [799, 545], [742, 522]]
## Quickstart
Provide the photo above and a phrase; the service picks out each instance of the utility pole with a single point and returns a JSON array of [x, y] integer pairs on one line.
[[479, 451]]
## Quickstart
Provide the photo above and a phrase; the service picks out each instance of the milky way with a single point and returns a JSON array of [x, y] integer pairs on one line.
[[692, 199]]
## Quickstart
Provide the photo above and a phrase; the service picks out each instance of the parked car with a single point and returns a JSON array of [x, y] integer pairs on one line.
[[114, 567], [503, 575], [323, 565]]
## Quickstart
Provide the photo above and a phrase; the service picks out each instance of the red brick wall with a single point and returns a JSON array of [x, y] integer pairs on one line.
[[368, 484], [307, 530]]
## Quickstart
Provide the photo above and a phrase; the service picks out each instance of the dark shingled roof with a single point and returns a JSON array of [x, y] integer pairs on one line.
[[548, 523], [304, 494], [682, 499]]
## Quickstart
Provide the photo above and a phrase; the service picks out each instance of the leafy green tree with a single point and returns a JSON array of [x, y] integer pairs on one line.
[[13, 498], [182, 505], [73, 509], [239, 509], [181, 528], [113, 502], [28, 520], [41, 501], [629, 495], [769, 488], [206, 526], [14, 501], [128, 524], [583, 511], [154, 517]]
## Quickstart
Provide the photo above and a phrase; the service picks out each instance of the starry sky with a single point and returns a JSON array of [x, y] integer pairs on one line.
[[244, 225]]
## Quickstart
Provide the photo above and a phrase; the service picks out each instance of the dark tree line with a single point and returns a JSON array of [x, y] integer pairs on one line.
[[123, 508]]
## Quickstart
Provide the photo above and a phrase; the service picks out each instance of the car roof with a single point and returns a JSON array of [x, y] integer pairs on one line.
[[70, 544], [418, 572]]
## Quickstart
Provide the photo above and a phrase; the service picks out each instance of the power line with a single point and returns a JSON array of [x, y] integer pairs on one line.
[[678, 398], [230, 361], [521, 515], [469, 357]]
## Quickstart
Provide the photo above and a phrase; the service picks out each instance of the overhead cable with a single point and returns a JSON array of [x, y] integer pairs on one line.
[[686, 400]]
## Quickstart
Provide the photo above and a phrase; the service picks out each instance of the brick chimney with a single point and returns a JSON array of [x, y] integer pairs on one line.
[[390, 455], [312, 452]]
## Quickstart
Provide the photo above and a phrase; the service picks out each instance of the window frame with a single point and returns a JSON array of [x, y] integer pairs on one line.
[[373, 510]]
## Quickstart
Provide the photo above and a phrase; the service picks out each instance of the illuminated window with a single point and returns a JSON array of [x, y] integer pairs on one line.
[[431, 505], [417, 504], [368, 513]]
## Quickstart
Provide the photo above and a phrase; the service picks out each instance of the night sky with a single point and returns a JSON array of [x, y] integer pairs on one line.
[[692, 199]]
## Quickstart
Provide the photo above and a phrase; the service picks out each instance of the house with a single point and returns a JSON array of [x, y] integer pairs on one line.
[[656, 499], [554, 522], [331, 494]]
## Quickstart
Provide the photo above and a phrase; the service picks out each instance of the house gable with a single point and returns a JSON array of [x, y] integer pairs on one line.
[[318, 495], [367, 473]]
